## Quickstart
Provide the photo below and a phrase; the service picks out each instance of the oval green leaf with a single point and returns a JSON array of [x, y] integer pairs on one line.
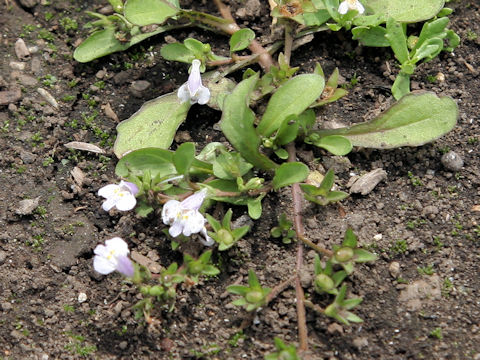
[[292, 98], [335, 144], [418, 118], [154, 125], [157, 161], [147, 12], [241, 39], [99, 44], [237, 125], [289, 173], [409, 11], [183, 157]]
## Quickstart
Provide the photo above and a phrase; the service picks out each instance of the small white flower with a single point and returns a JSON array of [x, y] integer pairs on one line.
[[193, 90], [347, 5], [184, 217], [121, 196], [113, 256]]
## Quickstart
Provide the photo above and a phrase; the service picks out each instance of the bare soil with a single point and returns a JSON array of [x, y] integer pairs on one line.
[[421, 298]]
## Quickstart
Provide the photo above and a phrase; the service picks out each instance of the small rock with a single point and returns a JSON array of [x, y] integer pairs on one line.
[[430, 210], [122, 77], [29, 3], [3, 256], [338, 164], [106, 10], [139, 87], [394, 269], [10, 96], [378, 237], [420, 291], [21, 49], [100, 74], [27, 157], [452, 161], [366, 183], [33, 49], [335, 328], [48, 313], [48, 97], [123, 345], [360, 342], [36, 65], [27, 80], [145, 261], [17, 65], [82, 297], [26, 207]]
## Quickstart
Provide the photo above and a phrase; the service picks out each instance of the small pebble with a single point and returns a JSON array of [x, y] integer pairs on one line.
[[366, 183], [138, 87], [48, 97], [82, 297], [21, 50], [26, 207], [394, 269], [17, 65], [452, 161]]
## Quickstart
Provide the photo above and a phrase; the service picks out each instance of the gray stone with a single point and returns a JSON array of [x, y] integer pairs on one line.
[[452, 161], [26, 207], [17, 65], [29, 3], [27, 157], [27, 80], [10, 96], [3, 256], [36, 65], [21, 49], [394, 269], [139, 87]]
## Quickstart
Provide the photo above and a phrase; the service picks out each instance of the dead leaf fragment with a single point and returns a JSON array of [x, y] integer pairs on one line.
[[79, 145], [110, 113], [366, 183], [78, 176]]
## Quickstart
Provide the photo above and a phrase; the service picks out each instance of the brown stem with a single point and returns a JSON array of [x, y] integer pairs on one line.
[[315, 247], [300, 230], [233, 59], [265, 59], [288, 42], [314, 307], [279, 288]]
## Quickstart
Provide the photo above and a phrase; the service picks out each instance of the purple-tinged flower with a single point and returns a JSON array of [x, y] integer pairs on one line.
[[184, 217], [113, 256], [193, 90], [347, 5], [121, 196]]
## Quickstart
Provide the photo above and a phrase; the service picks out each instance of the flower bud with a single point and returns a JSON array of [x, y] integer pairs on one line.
[[195, 267], [324, 282], [254, 297], [344, 254], [225, 236], [156, 290]]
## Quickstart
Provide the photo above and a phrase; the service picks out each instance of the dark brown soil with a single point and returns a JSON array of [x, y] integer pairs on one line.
[[422, 217]]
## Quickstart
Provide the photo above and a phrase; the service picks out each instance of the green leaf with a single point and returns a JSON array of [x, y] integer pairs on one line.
[[99, 44], [177, 52], [362, 255], [397, 39], [350, 239], [335, 144], [237, 289], [154, 125], [229, 166], [214, 223], [183, 157], [255, 207], [401, 86], [147, 12], [289, 173], [415, 120], [237, 124], [241, 39], [409, 11], [292, 98], [158, 161], [370, 36]]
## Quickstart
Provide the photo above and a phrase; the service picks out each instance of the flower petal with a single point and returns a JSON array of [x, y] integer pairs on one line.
[[125, 266], [183, 94], [103, 265], [194, 224], [360, 8], [194, 79], [170, 211], [108, 190], [109, 203], [130, 187], [193, 202], [175, 229], [126, 202], [118, 245], [343, 7], [208, 240], [203, 95]]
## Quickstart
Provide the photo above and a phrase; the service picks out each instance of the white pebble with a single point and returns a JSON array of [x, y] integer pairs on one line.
[[82, 297]]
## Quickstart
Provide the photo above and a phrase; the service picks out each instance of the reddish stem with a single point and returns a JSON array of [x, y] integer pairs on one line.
[[300, 230]]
